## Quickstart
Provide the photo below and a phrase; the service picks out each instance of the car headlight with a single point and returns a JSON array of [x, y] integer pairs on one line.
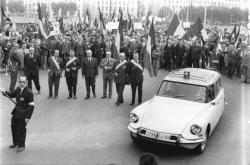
[[195, 129], [133, 118]]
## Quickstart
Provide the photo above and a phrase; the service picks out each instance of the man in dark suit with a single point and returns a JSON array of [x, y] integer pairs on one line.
[[71, 73], [89, 72], [55, 65], [21, 114], [120, 77], [107, 65], [135, 72], [31, 69]]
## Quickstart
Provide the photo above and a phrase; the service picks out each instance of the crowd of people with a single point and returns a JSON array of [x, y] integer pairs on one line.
[[26, 54]]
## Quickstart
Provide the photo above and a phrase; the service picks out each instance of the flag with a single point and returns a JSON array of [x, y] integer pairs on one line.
[[48, 26], [79, 16], [4, 18], [60, 13], [148, 53], [113, 15], [87, 18], [119, 36], [96, 23], [146, 22], [130, 24], [232, 37], [237, 38], [195, 30], [179, 31], [102, 23], [40, 23], [61, 25], [173, 25]]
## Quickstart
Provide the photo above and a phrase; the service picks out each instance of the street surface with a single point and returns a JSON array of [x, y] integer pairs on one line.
[[95, 131]]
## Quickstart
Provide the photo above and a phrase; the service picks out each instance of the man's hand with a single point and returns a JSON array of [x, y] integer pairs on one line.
[[73, 68], [67, 70], [27, 120], [2, 90]]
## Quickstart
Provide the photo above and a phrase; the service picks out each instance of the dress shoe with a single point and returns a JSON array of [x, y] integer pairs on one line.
[[110, 97], [49, 97], [13, 146], [94, 95], [132, 104], [39, 92], [55, 97], [20, 149], [75, 97], [87, 97], [103, 97], [117, 103], [69, 97]]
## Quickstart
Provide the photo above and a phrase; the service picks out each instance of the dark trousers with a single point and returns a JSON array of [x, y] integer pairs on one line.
[[119, 90], [35, 78], [133, 88], [107, 82], [196, 63], [90, 81], [71, 83], [231, 69], [53, 80], [13, 80], [18, 129]]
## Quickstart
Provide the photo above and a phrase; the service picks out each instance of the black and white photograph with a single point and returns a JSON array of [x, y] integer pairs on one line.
[[125, 82]]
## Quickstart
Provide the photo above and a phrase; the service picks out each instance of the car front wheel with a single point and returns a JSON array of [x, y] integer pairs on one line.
[[202, 146]]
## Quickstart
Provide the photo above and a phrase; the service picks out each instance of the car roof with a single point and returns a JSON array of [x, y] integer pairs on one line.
[[203, 77]]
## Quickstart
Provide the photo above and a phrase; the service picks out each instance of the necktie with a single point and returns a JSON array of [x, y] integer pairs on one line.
[[108, 61]]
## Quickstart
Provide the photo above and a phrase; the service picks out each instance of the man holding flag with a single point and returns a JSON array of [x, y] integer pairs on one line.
[[21, 114]]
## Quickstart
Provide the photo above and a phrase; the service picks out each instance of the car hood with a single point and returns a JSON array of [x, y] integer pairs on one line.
[[170, 115]]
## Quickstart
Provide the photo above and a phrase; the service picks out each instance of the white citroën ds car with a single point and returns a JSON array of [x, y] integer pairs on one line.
[[184, 112]]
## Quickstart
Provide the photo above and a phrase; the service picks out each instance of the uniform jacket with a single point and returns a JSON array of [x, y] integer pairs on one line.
[[31, 65], [135, 72], [107, 73], [53, 68], [89, 69], [70, 65], [121, 72], [25, 103]]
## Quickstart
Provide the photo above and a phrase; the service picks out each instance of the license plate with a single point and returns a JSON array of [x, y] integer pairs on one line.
[[151, 134], [163, 136]]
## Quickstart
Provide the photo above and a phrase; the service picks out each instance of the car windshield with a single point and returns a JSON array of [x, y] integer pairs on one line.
[[182, 91]]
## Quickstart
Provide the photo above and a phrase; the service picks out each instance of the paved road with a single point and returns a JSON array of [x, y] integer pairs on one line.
[[95, 131]]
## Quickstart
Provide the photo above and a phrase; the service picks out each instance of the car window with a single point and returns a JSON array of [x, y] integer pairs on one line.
[[217, 87], [210, 93], [182, 91]]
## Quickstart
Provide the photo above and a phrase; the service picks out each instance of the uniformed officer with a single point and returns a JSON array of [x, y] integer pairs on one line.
[[120, 76], [71, 73], [135, 72], [89, 72], [55, 65], [108, 77], [21, 113]]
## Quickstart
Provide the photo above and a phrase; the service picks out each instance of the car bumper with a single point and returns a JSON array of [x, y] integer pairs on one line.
[[181, 142]]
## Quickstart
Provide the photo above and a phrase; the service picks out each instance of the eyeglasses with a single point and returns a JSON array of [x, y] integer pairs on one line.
[[22, 81]]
